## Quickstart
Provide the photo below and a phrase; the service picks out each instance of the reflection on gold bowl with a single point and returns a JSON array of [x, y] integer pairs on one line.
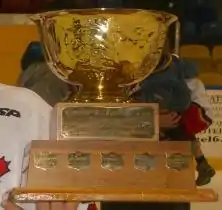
[[103, 49]]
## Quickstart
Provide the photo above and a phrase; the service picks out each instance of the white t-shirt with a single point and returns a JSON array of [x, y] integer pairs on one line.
[[24, 116], [199, 95]]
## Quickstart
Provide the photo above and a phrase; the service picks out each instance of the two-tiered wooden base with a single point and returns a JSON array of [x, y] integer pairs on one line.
[[118, 178]]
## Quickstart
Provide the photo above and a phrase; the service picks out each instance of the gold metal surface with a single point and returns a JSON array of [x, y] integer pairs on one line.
[[178, 161], [144, 162], [102, 50], [122, 122], [79, 161], [45, 160], [112, 161]]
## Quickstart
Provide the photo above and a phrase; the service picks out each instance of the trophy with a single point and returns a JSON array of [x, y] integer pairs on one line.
[[104, 146]]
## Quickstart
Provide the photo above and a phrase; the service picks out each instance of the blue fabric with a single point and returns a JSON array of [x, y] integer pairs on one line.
[[168, 87], [32, 55]]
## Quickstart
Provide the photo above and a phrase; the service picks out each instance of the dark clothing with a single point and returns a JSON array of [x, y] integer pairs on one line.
[[144, 206], [168, 87], [179, 134], [110, 3]]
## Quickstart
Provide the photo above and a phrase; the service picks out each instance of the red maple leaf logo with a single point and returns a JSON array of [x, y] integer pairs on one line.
[[4, 166]]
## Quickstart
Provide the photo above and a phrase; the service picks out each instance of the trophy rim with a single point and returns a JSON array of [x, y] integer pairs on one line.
[[42, 15]]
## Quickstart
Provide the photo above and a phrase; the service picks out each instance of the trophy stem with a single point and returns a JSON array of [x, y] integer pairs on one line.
[[99, 94]]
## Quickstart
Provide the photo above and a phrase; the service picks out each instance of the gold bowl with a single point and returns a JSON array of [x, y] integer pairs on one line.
[[101, 50]]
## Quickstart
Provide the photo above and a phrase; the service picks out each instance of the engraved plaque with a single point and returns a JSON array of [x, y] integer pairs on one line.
[[79, 161], [106, 122], [112, 161], [45, 160], [144, 162], [177, 161]]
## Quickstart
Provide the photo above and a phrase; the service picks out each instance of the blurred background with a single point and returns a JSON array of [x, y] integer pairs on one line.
[[201, 19]]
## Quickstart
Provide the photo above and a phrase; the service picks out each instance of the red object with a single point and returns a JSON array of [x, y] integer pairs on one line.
[[4, 166], [92, 206], [195, 120]]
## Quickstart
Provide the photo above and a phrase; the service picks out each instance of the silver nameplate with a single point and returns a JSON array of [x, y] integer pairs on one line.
[[144, 162], [45, 160], [112, 161], [109, 122], [177, 161], [79, 161]]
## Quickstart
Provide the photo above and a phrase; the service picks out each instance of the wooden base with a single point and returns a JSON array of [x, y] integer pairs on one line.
[[159, 195]]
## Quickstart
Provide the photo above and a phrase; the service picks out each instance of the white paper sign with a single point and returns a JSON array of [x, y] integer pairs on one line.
[[211, 139], [211, 143]]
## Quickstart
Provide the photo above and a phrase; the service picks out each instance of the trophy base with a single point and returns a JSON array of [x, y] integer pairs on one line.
[[84, 195]]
